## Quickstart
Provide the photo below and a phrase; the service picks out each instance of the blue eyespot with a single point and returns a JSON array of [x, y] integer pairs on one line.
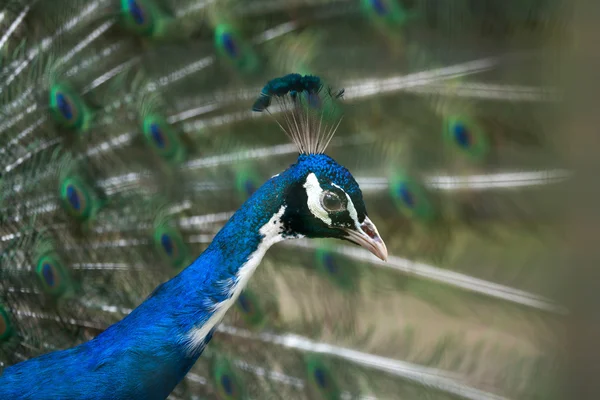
[[137, 12], [379, 6], [167, 244], [330, 264], [406, 195], [227, 384], [321, 377], [249, 187], [157, 135], [245, 303], [73, 197], [462, 135], [48, 274], [64, 106], [229, 44]]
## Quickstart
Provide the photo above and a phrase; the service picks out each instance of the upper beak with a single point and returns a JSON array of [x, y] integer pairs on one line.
[[368, 237]]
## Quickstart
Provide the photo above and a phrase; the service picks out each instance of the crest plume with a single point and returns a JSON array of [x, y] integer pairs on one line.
[[309, 109]]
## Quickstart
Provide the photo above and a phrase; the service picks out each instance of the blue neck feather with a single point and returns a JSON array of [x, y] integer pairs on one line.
[[146, 354]]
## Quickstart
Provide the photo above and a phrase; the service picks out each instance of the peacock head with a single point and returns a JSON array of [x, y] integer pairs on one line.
[[323, 200]]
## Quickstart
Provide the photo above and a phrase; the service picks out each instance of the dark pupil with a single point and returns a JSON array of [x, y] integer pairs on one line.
[[230, 45], [321, 378], [249, 187], [64, 106], [379, 7], [73, 197], [330, 264], [167, 244], [48, 274], [462, 135], [246, 305], [157, 135], [138, 13], [332, 202], [227, 384]]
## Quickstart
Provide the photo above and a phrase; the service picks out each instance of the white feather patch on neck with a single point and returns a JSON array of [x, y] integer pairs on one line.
[[271, 232], [313, 193]]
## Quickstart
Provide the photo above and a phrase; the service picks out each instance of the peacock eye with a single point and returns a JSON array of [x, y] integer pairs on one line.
[[331, 202]]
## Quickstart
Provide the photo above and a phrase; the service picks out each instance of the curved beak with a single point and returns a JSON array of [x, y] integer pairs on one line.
[[368, 237]]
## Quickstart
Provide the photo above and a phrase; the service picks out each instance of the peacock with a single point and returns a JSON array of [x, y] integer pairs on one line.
[[152, 151]]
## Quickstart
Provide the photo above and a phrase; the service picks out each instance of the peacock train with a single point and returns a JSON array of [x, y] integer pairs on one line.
[[280, 199]]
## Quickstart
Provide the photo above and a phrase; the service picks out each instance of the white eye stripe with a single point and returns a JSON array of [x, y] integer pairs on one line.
[[350, 207], [313, 193]]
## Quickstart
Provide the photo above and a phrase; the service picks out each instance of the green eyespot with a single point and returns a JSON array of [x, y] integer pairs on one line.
[[411, 198], [52, 275], [228, 384], [467, 136], [247, 181], [250, 308], [6, 329], [389, 12], [343, 274], [232, 47], [169, 244], [143, 17], [321, 381], [163, 138], [68, 108], [78, 198]]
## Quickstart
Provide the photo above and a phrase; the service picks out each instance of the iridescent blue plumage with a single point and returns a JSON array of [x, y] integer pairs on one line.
[[148, 353]]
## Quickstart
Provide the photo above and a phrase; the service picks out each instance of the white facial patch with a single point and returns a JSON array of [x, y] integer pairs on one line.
[[314, 192], [351, 208]]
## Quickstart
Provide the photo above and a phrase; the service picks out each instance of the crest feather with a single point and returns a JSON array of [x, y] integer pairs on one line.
[[310, 114]]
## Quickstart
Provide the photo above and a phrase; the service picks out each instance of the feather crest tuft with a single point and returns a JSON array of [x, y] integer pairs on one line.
[[309, 109]]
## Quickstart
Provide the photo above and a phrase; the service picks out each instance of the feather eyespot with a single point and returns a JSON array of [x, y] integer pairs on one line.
[[320, 377], [48, 274], [229, 44], [157, 135], [137, 12], [245, 304], [5, 325], [64, 105], [330, 264], [77, 198], [251, 309], [227, 384], [467, 135], [67, 108], [379, 6], [406, 195], [412, 198], [167, 244], [51, 275], [163, 138], [462, 135]]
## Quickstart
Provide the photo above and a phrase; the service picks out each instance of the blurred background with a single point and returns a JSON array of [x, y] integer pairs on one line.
[[127, 140]]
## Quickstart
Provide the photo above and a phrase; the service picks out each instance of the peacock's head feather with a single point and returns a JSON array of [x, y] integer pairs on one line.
[[321, 197], [323, 200]]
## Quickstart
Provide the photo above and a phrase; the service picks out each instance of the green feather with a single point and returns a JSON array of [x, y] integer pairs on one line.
[[227, 383], [6, 329]]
